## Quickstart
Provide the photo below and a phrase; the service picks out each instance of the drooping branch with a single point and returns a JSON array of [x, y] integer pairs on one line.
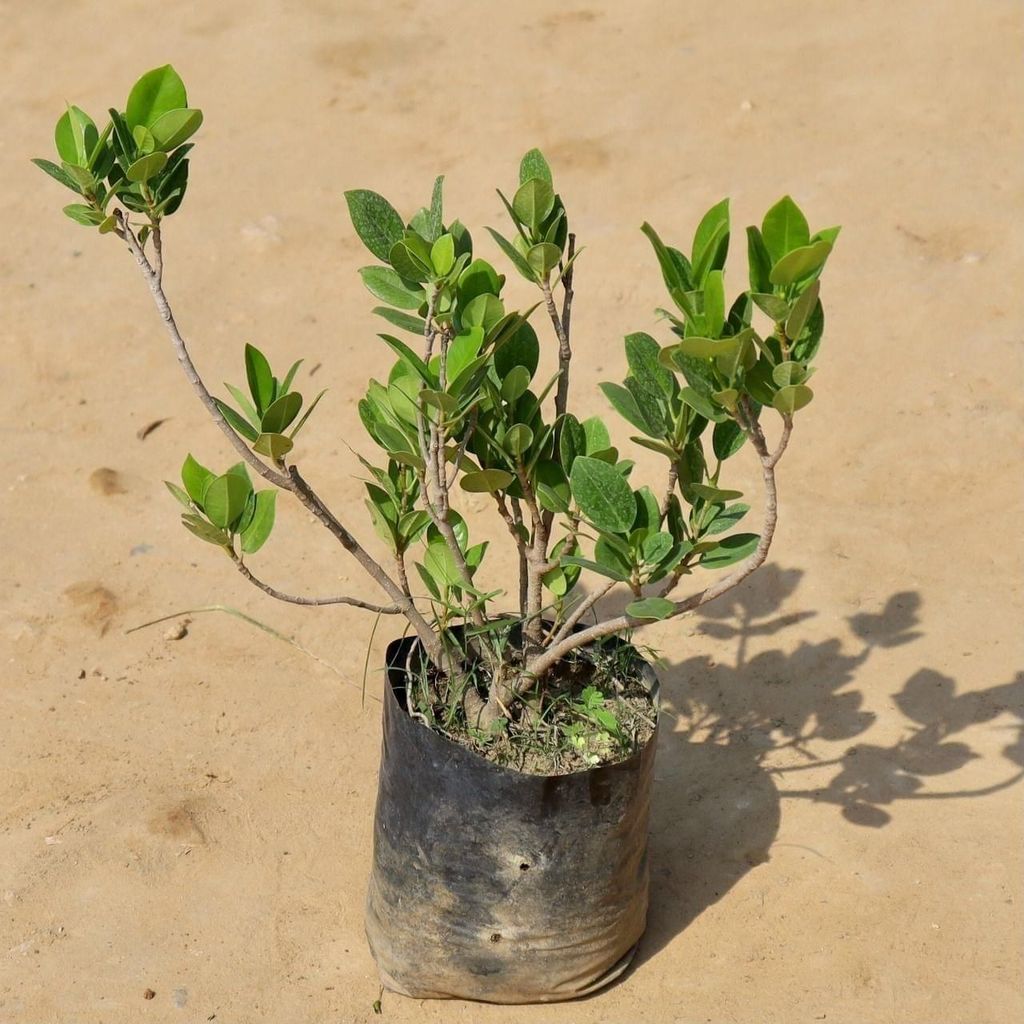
[[313, 602], [292, 481]]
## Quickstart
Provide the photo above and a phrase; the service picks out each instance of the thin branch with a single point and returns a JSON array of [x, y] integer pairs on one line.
[[580, 610], [180, 349], [314, 602], [561, 323], [670, 486]]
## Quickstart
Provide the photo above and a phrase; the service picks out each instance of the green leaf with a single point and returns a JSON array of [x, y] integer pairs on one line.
[[596, 435], [244, 404], [408, 263], [784, 229], [623, 402], [642, 353], [602, 494], [729, 550], [552, 486], [196, 479], [513, 254], [403, 321], [728, 398], [653, 408], [483, 311], [533, 165], [435, 222], [57, 173], [714, 303], [261, 380], [521, 349], [656, 547], [153, 95], [792, 398], [572, 441], [75, 136], [204, 530], [802, 310], [759, 261], [713, 257], [146, 166], [650, 608], [703, 348], [543, 258], [713, 226], [462, 351], [727, 439], [410, 358], [225, 498], [800, 263], [827, 234], [486, 481], [675, 278], [518, 438], [478, 278], [727, 518], [700, 404], [276, 446], [280, 414], [533, 201], [85, 215], [178, 493], [789, 373], [376, 222], [307, 414], [515, 383], [656, 446], [713, 494], [238, 423], [388, 286], [170, 130], [774, 305], [144, 141], [286, 384], [442, 255], [255, 535], [613, 573]]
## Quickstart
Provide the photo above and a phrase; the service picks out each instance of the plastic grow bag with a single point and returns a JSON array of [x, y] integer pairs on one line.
[[494, 885]]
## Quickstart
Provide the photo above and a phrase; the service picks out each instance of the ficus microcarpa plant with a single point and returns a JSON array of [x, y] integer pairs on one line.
[[461, 405]]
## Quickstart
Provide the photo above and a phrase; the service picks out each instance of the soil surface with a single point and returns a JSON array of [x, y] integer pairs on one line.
[[185, 814]]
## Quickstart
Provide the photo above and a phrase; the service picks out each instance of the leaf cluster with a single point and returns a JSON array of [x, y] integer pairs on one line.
[[140, 157], [219, 509]]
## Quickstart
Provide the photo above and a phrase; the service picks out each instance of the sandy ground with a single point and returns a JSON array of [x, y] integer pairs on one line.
[[837, 827]]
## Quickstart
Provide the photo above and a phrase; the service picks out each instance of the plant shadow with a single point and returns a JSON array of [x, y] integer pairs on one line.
[[717, 801]]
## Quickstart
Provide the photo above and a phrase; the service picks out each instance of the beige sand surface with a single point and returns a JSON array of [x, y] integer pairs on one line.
[[837, 829]]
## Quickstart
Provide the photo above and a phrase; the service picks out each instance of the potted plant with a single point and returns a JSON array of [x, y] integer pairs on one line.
[[519, 723]]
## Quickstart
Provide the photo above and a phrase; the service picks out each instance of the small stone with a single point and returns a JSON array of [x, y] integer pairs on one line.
[[148, 994], [178, 631], [81, 673], [746, 105]]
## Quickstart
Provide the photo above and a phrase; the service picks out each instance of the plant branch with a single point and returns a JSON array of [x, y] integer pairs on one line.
[[561, 323], [152, 278], [309, 601], [670, 486], [580, 610]]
